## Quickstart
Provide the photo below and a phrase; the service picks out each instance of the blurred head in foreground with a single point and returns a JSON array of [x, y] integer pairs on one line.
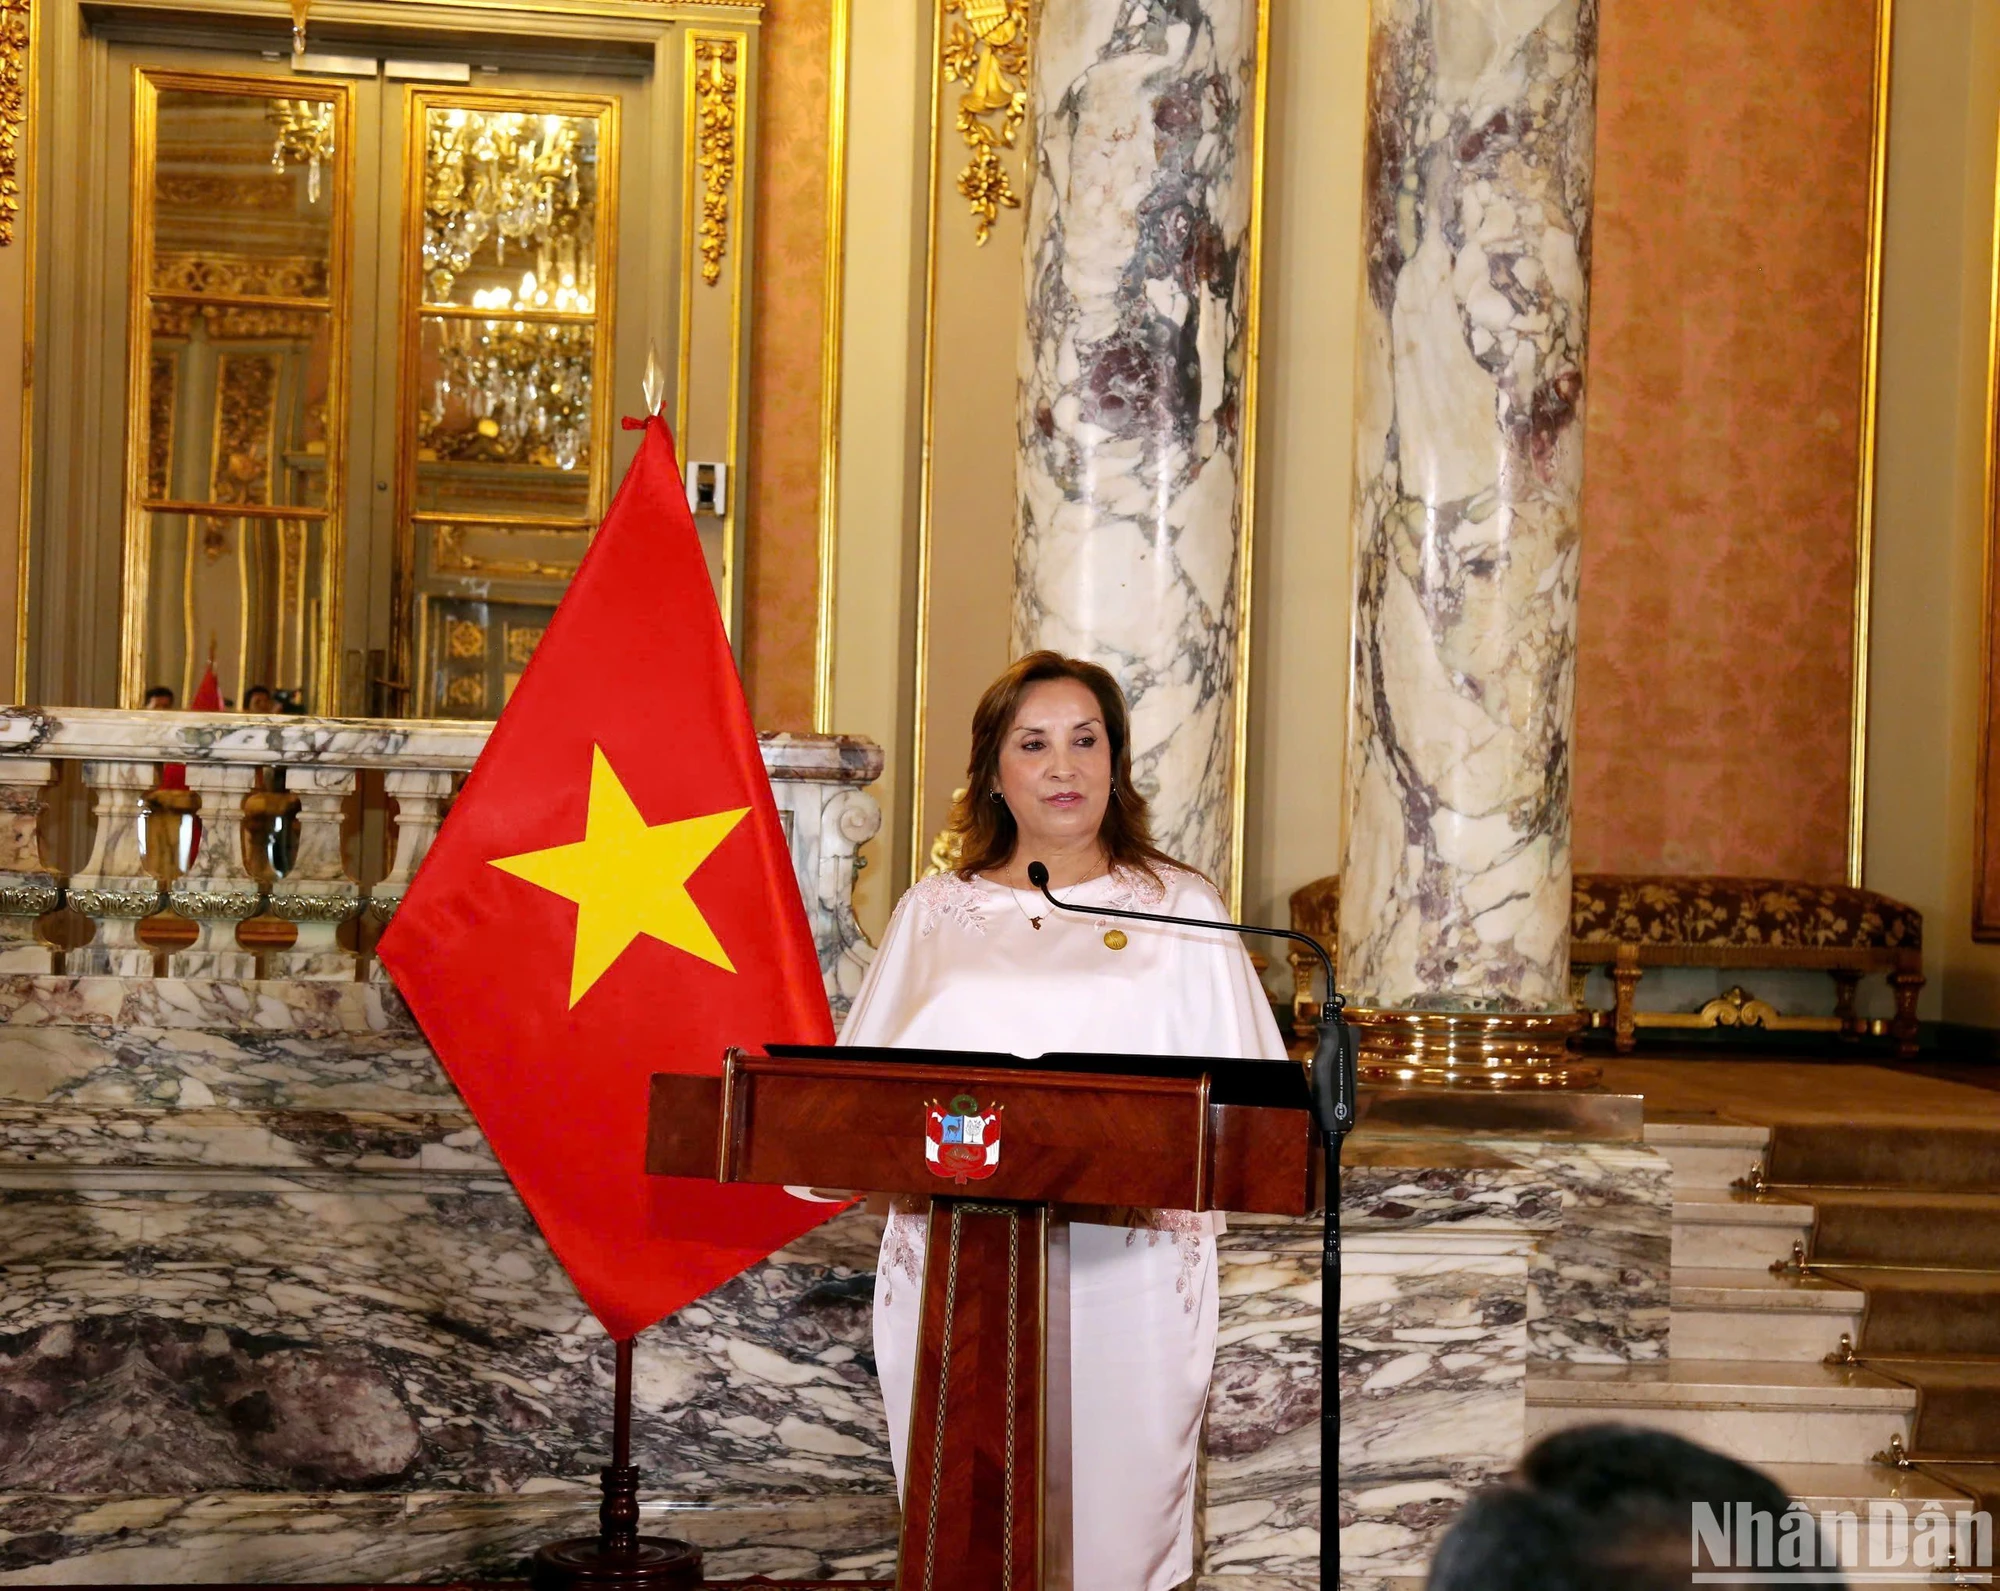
[[1598, 1506]]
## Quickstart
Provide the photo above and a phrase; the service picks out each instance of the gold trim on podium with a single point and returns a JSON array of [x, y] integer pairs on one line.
[[1500, 1050]]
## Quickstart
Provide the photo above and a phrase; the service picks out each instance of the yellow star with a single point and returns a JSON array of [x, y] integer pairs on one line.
[[627, 878]]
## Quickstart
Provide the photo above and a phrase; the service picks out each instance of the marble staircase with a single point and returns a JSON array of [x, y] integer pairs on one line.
[[1748, 1342]]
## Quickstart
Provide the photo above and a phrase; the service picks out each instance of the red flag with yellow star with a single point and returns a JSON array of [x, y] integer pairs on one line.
[[611, 897]]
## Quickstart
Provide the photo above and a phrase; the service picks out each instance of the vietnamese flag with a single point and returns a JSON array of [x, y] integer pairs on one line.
[[611, 896]]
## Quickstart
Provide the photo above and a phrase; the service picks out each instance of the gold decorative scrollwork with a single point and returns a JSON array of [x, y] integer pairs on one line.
[[467, 692], [522, 641], [985, 47], [464, 638], [235, 322], [948, 847], [715, 115], [185, 191], [305, 136], [162, 379], [240, 275], [1735, 1008], [246, 415], [14, 47]]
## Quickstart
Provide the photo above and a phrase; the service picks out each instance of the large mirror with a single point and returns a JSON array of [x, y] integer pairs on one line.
[[238, 365], [507, 286]]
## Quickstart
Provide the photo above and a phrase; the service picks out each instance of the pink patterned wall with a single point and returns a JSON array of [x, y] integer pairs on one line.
[[1726, 339]]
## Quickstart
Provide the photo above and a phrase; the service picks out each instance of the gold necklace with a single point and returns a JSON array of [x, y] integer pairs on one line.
[[1114, 938], [1014, 895]]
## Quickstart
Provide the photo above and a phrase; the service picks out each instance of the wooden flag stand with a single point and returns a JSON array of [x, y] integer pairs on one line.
[[618, 1556]]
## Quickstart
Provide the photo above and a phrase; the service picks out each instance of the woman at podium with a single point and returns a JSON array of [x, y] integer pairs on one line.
[[977, 959]]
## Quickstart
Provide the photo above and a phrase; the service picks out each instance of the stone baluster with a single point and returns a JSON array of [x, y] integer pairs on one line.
[[114, 890], [849, 820], [27, 887], [420, 795], [217, 892], [318, 894]]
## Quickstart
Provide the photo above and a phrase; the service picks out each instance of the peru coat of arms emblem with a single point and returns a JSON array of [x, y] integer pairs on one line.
[[961, 1141]]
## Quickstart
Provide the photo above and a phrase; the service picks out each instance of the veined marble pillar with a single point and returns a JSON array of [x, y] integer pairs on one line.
[[1128, 538], [1455, 889]]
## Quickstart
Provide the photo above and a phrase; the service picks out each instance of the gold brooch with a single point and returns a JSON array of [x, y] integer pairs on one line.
[[1114, 939]]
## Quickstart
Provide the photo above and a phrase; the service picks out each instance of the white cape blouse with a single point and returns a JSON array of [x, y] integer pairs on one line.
[[963, 967]]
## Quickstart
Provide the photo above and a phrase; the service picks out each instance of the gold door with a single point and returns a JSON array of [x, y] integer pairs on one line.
[[236, 435], [504, 411], [358, 421]]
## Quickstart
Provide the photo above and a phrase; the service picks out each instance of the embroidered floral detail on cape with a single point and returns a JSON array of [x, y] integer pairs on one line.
[[902, 1253], [1189, 1232], [946, 895], [1134, 889]]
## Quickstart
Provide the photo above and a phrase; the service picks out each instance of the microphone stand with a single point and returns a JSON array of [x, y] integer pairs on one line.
[[1332, 1082]]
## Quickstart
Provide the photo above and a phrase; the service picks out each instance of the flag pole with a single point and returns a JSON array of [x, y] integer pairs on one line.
[[618, 1556]]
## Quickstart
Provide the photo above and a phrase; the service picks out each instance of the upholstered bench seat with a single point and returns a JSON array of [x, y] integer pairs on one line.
[[1626, 922]]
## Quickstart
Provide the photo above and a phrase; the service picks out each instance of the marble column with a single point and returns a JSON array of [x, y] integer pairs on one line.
[[1128, 539], [1455, 888]]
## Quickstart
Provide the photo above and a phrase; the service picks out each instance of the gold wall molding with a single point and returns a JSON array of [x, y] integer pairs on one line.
[[715, 87], [1864, 492], [26, 202], [1986, 785], [1246, 546], [16, 48], [926, 554], [710, 429], [450, 555], [833, 285], [985, 46]]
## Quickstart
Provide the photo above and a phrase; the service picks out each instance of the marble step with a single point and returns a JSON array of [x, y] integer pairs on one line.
[[1733, 1314], [1854, 1486], [1761, 1411], [1721, 1229], [1707, 1154]]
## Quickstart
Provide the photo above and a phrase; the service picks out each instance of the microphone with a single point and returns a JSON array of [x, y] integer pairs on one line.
[[1332, 1083], [1332, 1072]]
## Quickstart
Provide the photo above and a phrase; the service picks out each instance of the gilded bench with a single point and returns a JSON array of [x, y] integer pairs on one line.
[[1627, 922]]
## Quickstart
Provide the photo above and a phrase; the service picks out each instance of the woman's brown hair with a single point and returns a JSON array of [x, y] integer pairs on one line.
[[986, 829]]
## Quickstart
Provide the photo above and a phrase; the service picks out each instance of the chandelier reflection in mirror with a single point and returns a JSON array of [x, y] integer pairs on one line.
[[517, 178], [524, 385], [525, 388], [305, 137]]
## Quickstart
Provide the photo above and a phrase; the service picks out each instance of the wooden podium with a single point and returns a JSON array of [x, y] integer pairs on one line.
[[996, 1141]]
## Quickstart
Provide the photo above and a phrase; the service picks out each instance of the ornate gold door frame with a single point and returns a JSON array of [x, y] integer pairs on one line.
[[79, 537]]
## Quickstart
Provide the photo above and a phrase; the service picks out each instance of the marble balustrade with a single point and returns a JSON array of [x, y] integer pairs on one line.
[[267, 1302], [138, 862]]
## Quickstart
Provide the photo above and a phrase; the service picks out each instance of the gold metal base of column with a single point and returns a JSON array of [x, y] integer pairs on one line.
[[1471, 1049]]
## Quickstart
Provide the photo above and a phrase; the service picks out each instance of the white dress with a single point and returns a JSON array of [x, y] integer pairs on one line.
[[962, 967]]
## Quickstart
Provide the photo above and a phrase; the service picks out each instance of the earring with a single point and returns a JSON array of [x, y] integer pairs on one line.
[[998, 798]]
